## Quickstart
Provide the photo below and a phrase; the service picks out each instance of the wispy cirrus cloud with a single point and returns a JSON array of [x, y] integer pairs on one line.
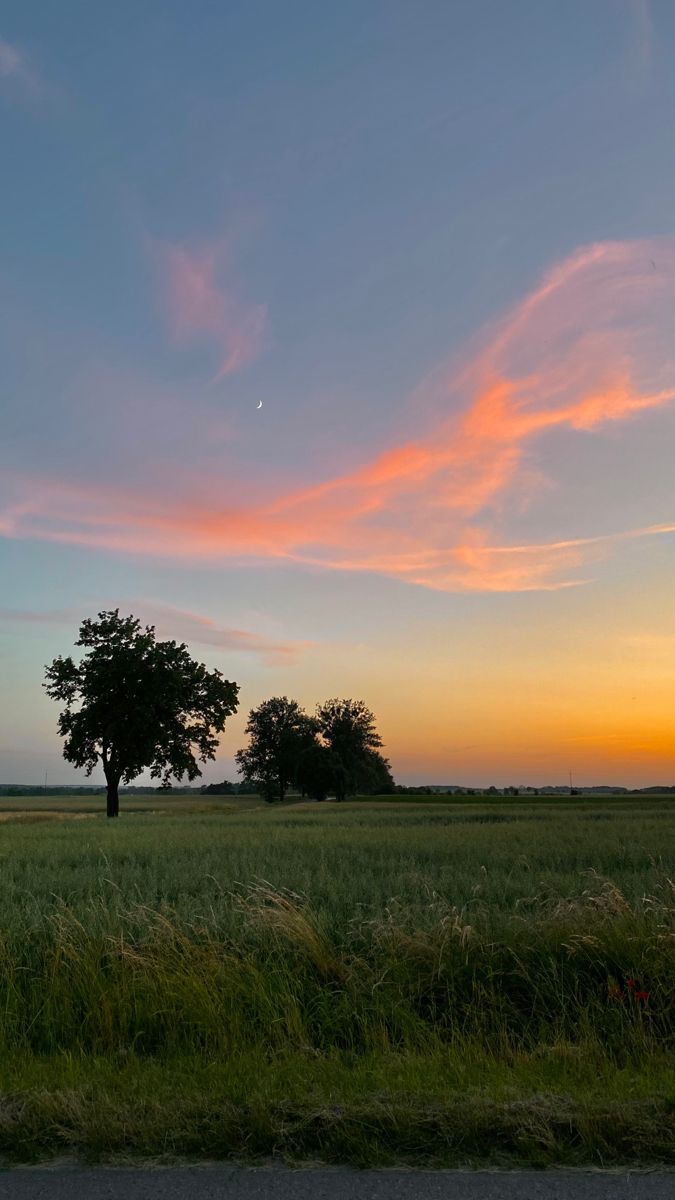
[[192, 627], [18, 73], [203, 308], [644, 32], [589, 349], [178, 624]]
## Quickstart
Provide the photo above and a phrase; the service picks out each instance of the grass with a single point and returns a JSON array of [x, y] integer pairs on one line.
[[432, 983]]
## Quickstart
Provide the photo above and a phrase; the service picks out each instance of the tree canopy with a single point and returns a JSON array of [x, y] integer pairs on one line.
[[134, 703], [335, 751], [280, 731], [348, 729]]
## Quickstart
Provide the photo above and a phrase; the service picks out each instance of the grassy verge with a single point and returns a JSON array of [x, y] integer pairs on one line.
[[454, 1107]]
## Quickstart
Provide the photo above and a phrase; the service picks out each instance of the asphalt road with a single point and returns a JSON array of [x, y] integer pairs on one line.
[[233, 1183]]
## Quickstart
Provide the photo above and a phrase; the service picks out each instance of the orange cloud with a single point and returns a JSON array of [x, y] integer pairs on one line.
[[589, 347], [200, 309]]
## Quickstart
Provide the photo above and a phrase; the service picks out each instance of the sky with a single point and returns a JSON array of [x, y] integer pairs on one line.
[[338, 341]]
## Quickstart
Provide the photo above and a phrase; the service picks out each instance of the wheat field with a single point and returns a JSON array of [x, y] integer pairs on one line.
[[428, 982]]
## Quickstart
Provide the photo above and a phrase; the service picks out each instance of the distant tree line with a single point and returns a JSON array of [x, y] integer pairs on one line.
[[70, 789], [221, 789], [422, 789]]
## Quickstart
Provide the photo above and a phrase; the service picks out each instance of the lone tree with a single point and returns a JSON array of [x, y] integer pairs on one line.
[[134, 704], [280, 734], [348, 729]]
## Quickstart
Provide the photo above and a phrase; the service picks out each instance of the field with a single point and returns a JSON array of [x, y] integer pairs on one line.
[[448, 982]]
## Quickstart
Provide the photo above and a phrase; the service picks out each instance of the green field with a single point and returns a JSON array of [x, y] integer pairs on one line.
[[424, 982]]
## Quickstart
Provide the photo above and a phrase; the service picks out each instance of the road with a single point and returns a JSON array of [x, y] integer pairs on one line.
[[233, 1183]]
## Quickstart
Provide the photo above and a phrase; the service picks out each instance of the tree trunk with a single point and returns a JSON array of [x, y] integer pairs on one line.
[[112, 798]]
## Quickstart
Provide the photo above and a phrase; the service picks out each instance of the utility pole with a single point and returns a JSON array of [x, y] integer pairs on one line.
[[45, 783]]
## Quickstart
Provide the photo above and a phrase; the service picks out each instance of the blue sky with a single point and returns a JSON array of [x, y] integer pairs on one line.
[[363, 216]]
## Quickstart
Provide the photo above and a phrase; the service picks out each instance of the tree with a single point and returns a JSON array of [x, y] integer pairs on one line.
[[134, 704], [318, 771], [280, 732], [374, 777], [348, 729]]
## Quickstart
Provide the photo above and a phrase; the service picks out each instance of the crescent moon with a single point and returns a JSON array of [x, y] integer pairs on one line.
[[259, 404]]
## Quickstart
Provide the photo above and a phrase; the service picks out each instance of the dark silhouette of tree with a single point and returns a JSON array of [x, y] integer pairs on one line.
[[134, 704], [348, 729], [280, 732], [219, 789], [374, 777], [318, 771]]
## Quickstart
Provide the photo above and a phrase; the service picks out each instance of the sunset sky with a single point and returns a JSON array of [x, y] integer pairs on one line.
[[436, 239]]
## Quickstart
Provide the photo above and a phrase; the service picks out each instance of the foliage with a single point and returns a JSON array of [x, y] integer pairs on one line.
[[133, 703], [336, 751], [348, 729], [279, 731], [375, 777], [318, 771]]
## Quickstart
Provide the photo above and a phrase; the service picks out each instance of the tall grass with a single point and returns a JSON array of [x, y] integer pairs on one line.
[[478, 959], [161, 985]]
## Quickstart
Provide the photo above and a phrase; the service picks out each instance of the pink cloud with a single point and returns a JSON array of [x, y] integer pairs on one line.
[[589, 348], [201, 310], [192, 627], [175, 623]]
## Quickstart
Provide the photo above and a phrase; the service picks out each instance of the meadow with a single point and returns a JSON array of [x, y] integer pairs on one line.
[[438, 982]]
